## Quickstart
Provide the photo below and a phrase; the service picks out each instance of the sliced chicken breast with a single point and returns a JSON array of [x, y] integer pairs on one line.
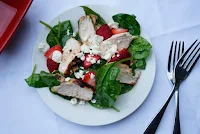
[[72, 47], [122, 40], [86, 28], [125, 75], [74, 88]]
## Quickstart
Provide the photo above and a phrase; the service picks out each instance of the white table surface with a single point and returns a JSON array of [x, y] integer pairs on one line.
[[23, 111]]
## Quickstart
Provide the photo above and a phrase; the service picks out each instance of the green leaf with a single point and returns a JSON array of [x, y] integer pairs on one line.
[[96, 66], [141, 64], [89, 11], [43, 79], [35, 80], [128, 22], [58, 33], [139, 48], [126, 88], [77, 37]]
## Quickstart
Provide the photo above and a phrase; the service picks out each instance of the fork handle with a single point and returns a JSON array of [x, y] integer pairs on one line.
[[177, 129], [151, 129]]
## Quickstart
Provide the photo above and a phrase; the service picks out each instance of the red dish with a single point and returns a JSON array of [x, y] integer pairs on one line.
[[16, 8]]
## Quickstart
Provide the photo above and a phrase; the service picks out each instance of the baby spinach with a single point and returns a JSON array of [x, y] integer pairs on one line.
[[139, 48], [43, 79], [129, 22], [96, 66], [58, 33], [141, 64], [89, 11], [125, 88]]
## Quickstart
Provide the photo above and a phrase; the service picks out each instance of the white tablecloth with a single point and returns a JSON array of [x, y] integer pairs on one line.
[[23, 111]]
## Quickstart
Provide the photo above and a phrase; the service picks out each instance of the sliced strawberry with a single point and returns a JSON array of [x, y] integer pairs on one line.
[[49, 53], [119, 30], [89, 78], [52, 65], [86, 63], [104, 31], [124, 53]]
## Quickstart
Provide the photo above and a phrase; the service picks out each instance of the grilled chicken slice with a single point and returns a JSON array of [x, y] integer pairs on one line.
[[122, 40], [72, 47], [125, 75], [86, 28], [74, 88]]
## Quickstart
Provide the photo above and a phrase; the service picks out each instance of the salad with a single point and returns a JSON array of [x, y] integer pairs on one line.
[[97, 63]]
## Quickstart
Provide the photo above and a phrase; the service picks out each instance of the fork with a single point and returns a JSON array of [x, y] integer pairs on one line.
[[181, 72], [170, 71]]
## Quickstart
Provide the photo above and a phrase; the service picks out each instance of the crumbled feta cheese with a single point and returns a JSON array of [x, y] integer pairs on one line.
[[92, 76], [81, 102], [81, 67], [118, 55], [85, 48], [93, 101], [57, 56], [113, 25], [43, 47], [68, 32], [79, 74], [81, 56], [99, 61], [110, 50], [107, 56], [73, 101], [67, 79]]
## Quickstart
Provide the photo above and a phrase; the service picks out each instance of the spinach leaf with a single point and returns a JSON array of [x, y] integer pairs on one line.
[[139, 48], [96, 66], [141, 64], [126, 88], [43, 79], [129, 22], [58, 33], [89, 11], [107, 89], [77, 37], [35, 80]]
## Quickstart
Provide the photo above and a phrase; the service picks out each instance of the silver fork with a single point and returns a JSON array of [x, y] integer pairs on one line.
[[173, 59], [181, 72]]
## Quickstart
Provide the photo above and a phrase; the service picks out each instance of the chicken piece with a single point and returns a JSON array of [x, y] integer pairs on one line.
[[126, 76], [94, 18], [72, 47], [86, 28], [74, 88], [122, 40]]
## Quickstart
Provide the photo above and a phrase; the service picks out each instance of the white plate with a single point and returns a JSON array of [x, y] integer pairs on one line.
[[88, 115]]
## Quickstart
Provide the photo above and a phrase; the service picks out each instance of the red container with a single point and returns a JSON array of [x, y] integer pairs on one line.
[[18, 6]]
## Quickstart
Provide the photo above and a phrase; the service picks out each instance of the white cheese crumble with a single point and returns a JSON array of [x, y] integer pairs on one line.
[[96, 39], [67, 79], [43, 47], [68, 32], [91, 59], [99, 61], [81, 102], [113, 25], [81, 67], [73, 101], [118, 55], [81, 56], [93, 101], [85, 48], [110, 50], [79, 74], [57, 56], [92, 76]]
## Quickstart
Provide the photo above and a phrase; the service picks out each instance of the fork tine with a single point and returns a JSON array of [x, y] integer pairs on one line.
[[192, 60], [182, 58], [191, 54], [170, 57], [179, 49], [174, 55], [182, 48]]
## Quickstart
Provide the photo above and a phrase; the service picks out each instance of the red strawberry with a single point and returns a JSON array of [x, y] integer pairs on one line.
[[49, 53], [52, 65], [124, 53], [119, 30], [104, 31], [87, 64], [89, 78]]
